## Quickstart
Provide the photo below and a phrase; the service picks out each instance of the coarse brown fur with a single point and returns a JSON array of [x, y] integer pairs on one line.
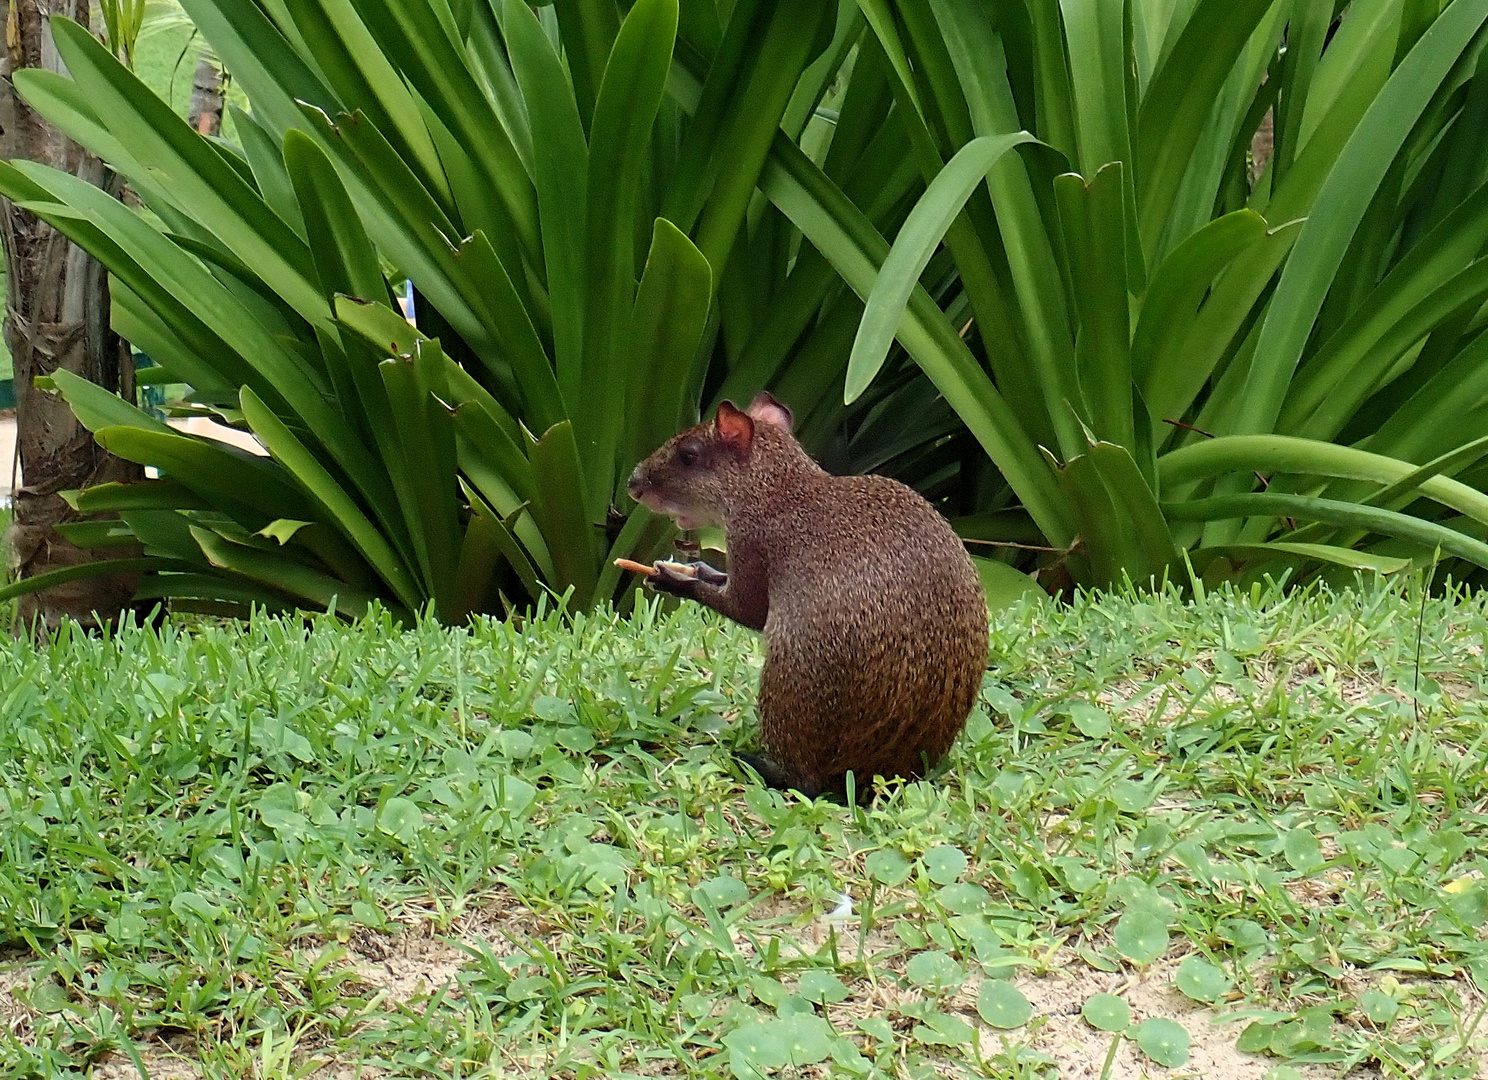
[[874, 622]]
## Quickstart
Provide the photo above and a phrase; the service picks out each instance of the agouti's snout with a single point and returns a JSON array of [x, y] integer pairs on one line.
[[636, 485]]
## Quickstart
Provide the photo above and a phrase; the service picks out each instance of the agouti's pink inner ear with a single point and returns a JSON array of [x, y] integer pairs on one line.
[[766, 409], [735, 428]]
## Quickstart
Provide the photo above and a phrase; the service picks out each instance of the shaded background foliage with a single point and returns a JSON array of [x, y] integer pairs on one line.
[[1012, 253]]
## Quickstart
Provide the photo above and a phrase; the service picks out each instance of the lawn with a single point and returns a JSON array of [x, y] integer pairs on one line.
[[1172, 836]]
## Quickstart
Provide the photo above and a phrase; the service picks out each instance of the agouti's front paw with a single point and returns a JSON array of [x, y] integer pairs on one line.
[[679, 579], [709, 576]]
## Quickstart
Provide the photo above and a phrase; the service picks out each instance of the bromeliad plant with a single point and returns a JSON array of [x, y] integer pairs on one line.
[[611, 219], [1167, 355], [511, 164]]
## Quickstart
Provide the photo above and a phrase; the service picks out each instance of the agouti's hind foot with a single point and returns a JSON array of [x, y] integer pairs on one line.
[[776, 777]]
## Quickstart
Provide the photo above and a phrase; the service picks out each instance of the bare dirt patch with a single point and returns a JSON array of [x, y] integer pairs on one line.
[[1081, 1050]]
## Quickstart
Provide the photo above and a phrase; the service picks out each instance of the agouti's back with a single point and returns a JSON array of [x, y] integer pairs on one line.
[[874, 622]]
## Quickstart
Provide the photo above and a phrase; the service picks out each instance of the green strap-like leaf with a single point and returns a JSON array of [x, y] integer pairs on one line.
[[560, 168], [1428, 534], [336, 506], [97, 408], [920, 235], [619, 146], [1093, 219], [840, 232], [282, 572], [1309, 553], [1308, 457], [345, 260], [191, 171], [1341, 204], [81, 572], [560, 509], [666, 328], [1179, 102]]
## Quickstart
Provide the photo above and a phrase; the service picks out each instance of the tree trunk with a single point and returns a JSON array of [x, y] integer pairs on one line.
[[56, 316], [205, 114]]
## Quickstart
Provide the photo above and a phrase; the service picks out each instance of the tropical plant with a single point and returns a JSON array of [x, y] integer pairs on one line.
[[610, 219], [57, 315], [1167, 355], [476, 457]]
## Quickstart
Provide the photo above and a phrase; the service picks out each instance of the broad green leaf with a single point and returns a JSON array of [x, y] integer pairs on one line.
[[1341, 204], [1201, 980], [1002, 585], [920, 235], [336, 506], [1000, 1004], [634, 81], [666, 329], [1106, 1012], [1140, 936], [561, 163], [1164, 1041], [799, 188]]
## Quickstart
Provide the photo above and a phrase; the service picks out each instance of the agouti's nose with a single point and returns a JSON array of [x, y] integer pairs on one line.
[[636, 484]]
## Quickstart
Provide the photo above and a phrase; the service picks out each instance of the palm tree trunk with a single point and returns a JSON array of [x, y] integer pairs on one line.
[[56, 316]]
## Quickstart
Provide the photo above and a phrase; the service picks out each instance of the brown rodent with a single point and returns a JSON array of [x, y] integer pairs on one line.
[[874, 622]]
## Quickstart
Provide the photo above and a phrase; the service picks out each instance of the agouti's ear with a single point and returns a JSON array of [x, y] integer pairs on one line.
[[735, 428], [766, 409]]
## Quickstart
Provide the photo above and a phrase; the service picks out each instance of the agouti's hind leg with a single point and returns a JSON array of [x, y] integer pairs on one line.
[[773, 775]]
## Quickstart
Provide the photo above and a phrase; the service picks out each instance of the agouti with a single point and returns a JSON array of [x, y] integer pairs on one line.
[[874, 622]]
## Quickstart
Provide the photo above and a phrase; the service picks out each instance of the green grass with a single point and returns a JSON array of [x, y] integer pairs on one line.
[[240, 845]]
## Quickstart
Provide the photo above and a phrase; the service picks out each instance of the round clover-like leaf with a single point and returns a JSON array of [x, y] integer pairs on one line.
[[1090, 720], [402, 818], [887, 867], [943, 1029], [822, 987], [1379, 1006], [934, 971], [1002, 1005], [1201, 980], [1164, 1041], [1106, 1012], [766, 1045], [1140, 936], [723, 890], [945, 863], [1302, 850]]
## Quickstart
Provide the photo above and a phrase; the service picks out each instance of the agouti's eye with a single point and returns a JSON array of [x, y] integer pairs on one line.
[[687, 456]]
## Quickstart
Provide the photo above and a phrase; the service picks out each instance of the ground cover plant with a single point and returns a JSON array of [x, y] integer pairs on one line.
[[266, 849]]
